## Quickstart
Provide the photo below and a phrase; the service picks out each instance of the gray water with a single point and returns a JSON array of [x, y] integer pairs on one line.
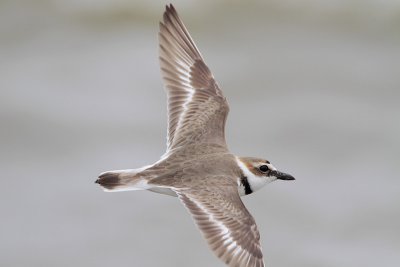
[[312, 87]]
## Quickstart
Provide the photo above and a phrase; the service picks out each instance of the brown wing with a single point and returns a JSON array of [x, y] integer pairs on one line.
[[228, 227], [197, 109]]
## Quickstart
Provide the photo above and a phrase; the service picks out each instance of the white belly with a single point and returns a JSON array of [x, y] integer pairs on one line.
[[163, 190]]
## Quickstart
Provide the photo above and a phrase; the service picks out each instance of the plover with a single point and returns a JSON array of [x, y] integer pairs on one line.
[[197, 166]]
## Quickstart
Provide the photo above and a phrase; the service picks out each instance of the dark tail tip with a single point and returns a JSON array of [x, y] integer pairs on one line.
[[109, 180]]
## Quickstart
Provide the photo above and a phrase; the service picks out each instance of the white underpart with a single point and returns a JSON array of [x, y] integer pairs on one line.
[[255, 182], [164, 190]]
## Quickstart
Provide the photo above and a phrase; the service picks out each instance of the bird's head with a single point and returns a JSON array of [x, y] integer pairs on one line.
[[260, 171]]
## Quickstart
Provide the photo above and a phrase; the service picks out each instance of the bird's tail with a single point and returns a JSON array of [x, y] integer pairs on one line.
[[123, 180]]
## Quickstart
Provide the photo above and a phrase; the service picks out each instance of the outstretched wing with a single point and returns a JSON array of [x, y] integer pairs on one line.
[[228, 227], [197, 109]]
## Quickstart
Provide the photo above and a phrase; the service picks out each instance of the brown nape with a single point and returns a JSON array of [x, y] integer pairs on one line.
[[109, 180]]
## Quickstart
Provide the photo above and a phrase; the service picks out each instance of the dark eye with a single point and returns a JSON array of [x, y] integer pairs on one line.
[[264, 168]]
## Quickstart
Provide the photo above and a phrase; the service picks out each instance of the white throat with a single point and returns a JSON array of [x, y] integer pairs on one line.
[[255, 182]]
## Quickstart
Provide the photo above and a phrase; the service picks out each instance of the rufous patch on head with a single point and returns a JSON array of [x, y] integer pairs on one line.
[[251, 168]]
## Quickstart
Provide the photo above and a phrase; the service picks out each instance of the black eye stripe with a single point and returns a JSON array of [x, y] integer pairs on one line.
[[263, 168]]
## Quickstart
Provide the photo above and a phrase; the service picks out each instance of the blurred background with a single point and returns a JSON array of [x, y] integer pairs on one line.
[[314, 86]]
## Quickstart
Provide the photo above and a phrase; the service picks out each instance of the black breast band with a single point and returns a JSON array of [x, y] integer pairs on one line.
[[246, 185]]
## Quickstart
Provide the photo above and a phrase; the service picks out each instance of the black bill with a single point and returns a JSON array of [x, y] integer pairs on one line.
[[281, 175]]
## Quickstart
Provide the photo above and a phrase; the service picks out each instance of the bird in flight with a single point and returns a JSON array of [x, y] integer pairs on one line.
[[198, 167]]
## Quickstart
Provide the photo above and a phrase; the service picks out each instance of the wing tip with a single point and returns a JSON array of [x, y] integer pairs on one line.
[[169, 12], [170, 9]]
